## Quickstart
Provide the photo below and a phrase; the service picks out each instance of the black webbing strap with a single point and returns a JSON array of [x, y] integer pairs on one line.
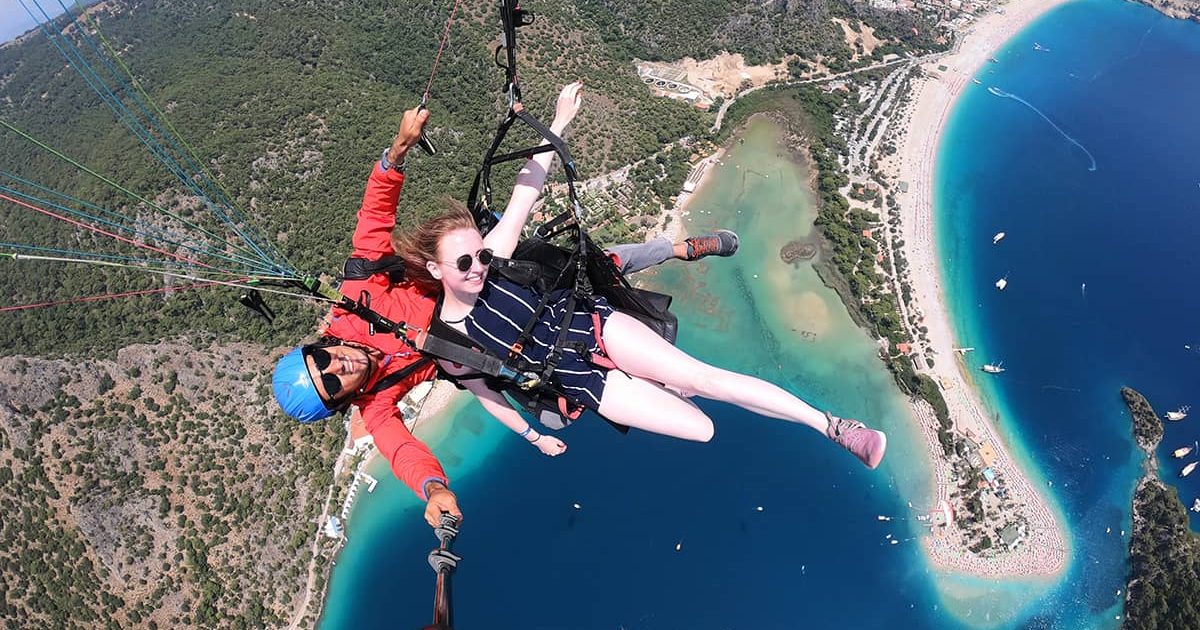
[[465, 356], [512, 18], [444, 342], [555, 355], [399, 375]]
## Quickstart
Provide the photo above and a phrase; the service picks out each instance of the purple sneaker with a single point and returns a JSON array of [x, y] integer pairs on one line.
[[868, 445], [719, 243]]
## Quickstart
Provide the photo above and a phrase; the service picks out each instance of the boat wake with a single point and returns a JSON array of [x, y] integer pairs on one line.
[[995, 91]]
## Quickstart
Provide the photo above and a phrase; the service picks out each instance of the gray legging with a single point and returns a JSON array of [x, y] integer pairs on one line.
[[635, 257]]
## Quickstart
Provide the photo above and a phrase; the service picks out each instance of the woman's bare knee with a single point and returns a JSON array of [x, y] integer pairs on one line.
[[704, 431]]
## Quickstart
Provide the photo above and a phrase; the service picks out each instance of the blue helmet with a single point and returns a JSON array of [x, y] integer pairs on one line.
[[295, 391]]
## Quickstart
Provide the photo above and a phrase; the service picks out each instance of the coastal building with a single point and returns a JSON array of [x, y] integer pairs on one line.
[[1011, 535], [693, 178], [333, 528], [357, 438], [410, 405]]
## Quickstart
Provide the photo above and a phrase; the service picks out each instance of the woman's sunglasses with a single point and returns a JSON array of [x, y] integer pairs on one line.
[[321, 360], [463, 263]]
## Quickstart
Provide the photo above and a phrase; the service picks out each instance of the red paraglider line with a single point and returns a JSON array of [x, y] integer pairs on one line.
[[100, 231], [107, 296]]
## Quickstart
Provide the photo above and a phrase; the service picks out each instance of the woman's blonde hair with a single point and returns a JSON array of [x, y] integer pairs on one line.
[[420, 245]]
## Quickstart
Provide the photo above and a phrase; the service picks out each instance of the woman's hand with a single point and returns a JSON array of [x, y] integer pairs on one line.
[[550, 445], [569, 102]]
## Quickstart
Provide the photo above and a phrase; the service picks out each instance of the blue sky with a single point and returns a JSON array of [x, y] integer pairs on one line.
[[14, 20]]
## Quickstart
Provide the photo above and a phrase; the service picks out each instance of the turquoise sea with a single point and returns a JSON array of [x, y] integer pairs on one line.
[[1117, 81]]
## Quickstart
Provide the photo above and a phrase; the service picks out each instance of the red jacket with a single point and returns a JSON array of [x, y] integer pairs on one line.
[[411, 461]]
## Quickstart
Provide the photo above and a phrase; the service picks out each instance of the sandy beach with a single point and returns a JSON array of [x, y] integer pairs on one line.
[[1045, 548]]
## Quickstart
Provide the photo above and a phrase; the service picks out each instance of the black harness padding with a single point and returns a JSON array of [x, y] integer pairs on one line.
[[362, 268]]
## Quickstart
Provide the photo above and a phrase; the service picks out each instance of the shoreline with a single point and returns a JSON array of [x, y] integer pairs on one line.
[[1046, 547], [673, 230]]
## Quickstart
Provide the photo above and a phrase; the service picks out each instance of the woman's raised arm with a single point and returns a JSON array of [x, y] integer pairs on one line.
[[504, 237]]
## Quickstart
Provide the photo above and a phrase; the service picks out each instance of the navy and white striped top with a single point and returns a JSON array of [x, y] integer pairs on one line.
[[502, 311]]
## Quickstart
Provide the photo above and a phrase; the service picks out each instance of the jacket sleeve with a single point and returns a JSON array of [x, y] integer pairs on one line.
[[377, 216], [412, 462]]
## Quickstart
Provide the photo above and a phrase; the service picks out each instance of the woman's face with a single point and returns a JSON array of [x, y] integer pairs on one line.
[[454, 246]]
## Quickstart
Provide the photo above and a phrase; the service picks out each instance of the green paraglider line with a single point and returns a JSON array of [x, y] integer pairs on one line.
[[115, 185]]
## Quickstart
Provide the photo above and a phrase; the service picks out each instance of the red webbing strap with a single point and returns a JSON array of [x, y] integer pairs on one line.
[[601, 359]]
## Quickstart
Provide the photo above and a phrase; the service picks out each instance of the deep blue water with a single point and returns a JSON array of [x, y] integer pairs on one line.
[[1119, 80]]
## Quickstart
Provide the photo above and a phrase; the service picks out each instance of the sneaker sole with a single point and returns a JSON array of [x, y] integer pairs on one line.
[[736, 241]]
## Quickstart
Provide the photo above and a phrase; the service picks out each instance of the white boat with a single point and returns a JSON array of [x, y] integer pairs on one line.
[[1001, 283], [994, 369], [1178, 414], [1182, 452], [1187, 470], [1196, 505], [976, 81], [997, 238]]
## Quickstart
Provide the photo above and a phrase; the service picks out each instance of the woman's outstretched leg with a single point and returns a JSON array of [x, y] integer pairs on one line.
[[626, 399], [640, 352]]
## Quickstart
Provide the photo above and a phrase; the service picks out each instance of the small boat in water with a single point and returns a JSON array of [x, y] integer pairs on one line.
[[1180, 453], [997, 238], [994, 369], [976, 81], [1178, 414], [1187, 470], [1196, 505], [1001, 283]]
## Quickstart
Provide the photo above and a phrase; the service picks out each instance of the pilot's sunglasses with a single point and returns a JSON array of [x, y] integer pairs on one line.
[[321, 360], [463, 263]]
